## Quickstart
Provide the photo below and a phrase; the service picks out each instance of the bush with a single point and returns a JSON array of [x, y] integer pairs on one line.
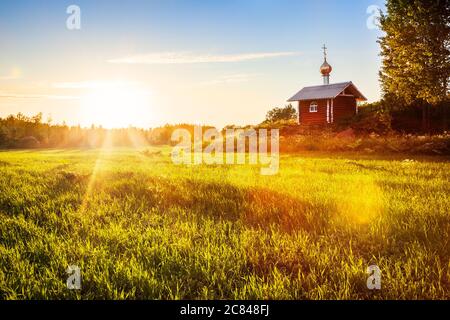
[[281, 114], [382, 144], [379, 123]]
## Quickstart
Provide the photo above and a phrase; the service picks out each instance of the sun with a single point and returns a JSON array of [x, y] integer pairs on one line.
[[116, 107]]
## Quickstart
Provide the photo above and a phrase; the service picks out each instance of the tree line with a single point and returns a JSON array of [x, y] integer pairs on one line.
[[20, 131]]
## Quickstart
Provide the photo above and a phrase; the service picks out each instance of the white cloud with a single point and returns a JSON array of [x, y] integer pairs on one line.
[[8, 78], [96, 84], [6, 95], [14, 74], [188, 58], [230, 79]]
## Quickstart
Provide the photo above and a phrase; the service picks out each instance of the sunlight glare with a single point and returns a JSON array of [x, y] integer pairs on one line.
[[117, 107]]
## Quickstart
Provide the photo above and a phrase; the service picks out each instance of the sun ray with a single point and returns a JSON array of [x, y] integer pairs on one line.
[[104, 150]]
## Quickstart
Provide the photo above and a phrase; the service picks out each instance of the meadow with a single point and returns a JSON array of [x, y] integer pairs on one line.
[[140, 227]]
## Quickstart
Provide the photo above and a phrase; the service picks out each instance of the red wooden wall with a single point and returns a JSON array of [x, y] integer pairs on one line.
[[343, 107], [313, 118]]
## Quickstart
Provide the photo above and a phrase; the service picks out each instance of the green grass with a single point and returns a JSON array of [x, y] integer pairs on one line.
[[140, 227]]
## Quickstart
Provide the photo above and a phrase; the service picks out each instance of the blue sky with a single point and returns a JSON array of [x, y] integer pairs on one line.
[[253, 55]]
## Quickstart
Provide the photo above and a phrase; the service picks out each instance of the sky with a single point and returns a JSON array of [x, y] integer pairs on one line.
[[148, 63]]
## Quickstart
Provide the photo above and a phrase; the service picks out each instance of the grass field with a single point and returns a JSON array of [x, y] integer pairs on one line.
[[140, 227]]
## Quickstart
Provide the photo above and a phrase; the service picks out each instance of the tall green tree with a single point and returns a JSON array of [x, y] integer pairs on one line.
[[415, 51], [281, 114]]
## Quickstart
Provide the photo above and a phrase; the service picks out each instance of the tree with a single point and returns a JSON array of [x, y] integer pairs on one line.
[[281, 114], [415, 52], [3, 136], [37, 119]]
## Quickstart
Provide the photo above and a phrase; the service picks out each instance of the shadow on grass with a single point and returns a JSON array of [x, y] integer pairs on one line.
[[254, 207], [196, 199]]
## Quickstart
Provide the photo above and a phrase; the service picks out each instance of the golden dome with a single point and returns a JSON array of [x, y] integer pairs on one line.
[[325, 69]]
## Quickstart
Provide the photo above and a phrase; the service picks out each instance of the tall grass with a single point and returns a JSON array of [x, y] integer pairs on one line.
[[140, 227]]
